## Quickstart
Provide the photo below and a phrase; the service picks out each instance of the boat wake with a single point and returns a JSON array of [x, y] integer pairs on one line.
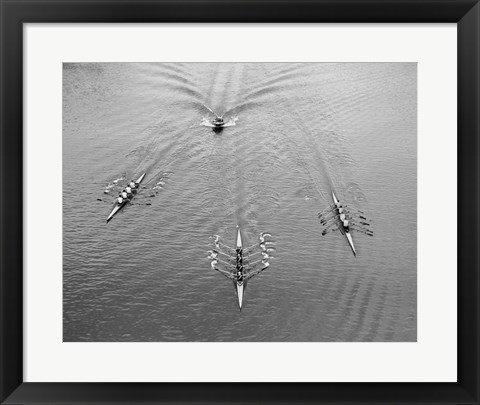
[[218, 122], [159, 184], [112, 185], [263, 236]]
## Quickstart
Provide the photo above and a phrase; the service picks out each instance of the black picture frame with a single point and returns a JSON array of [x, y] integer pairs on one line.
[[14, 13]]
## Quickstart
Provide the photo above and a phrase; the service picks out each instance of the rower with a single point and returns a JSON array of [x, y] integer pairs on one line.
[[120, 199], [132, 184], [124, 194], [345, 226], [342, 217], [128, 190], [240, 274]]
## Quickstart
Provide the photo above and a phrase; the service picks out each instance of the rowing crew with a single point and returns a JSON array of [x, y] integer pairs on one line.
[[239, 276], [343, 218], [127, 192], [239, 255], [239, 260]]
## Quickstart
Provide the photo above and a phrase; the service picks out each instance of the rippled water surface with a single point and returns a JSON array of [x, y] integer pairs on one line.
[[303, 130]]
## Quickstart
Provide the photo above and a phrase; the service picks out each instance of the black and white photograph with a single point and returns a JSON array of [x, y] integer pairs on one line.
[[239, 202]]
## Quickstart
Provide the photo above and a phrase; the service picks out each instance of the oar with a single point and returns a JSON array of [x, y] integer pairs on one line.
[[355, 212], [222, 262], [329, 221], [328, 217], [222, 271], [325, 231], [218, 252], [217, 243], [360, 224], [254, 272], [248, 249], [257, 253], [220, 245], [263, 261], [328, 226], [252, 254], [365, 231], [349, 208], [329, 208]]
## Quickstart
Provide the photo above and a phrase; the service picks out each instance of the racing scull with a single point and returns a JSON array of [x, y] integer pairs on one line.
[[239, 284], [347, 233], [118, 206]]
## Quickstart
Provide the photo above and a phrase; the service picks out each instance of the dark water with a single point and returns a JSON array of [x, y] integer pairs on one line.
[[303, 130]]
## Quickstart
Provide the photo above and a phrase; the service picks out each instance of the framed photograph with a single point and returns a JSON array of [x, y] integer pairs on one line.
[[239, 202]]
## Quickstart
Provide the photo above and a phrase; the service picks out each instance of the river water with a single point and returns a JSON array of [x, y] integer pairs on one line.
[[303, 131]]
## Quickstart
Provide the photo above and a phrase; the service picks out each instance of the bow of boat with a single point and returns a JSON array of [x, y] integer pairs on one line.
[[239, 238]]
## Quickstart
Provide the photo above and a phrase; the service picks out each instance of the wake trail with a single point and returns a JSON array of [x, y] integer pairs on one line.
[[224, 89], [312, 146], [306, 165], [210, 96]]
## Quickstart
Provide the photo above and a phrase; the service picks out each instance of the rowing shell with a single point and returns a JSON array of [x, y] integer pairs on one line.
[[239, 285], [118, 206], [347, 234]]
